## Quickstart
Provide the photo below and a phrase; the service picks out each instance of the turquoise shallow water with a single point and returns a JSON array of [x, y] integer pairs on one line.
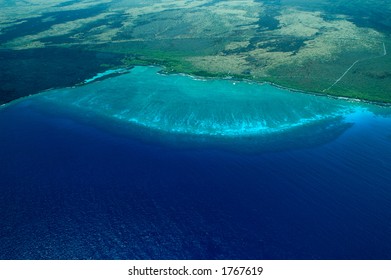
[[150, 166], [184, 105]]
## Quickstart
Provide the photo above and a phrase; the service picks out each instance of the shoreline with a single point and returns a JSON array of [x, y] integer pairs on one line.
[[247, 80], [162, 70]]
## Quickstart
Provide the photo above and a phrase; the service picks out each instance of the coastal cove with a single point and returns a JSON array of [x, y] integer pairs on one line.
[[146, 103], [336, 48], [144, 165]]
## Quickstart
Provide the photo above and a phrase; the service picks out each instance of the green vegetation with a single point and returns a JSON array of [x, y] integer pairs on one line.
[[328, 47]]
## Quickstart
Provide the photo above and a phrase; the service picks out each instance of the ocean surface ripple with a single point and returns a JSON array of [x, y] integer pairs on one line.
[[152, 166]]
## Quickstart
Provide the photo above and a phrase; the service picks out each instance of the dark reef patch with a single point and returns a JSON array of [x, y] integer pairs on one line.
[[67, 3]]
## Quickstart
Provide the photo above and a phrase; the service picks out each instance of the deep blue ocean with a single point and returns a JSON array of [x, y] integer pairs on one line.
[[77, 182]]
